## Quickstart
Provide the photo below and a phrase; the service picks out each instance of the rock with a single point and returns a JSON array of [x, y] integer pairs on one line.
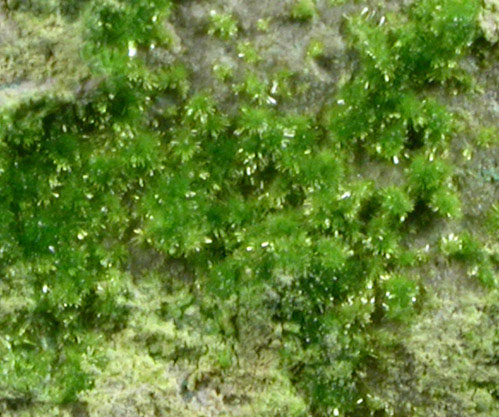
[[489, 20]]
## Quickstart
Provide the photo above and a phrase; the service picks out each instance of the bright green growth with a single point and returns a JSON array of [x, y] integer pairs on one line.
[[401, 295], [63, 284], [303, 10], [110, 23], [255, 89], [315, 49], [288, 252], [247, 52], [222, 25], [467, 249], [397, 60], [430, 182]]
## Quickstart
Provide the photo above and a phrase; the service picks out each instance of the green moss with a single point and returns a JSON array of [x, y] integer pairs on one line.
[[401, 295], [247, 52], [315, 49], [303, 10], [223, 26], [273, 270]]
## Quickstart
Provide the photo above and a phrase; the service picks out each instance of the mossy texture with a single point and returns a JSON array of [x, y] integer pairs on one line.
[[247, 209]]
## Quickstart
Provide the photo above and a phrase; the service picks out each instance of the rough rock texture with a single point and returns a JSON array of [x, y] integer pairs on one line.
[[280, 42], [489, 20], [38, 54]]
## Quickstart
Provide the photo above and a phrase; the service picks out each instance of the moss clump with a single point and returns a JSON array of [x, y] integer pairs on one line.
[[315, 49], [303, 10], [222, 25], [164, 256]]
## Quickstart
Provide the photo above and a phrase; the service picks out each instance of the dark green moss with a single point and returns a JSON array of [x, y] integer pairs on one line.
[[270, 258]]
